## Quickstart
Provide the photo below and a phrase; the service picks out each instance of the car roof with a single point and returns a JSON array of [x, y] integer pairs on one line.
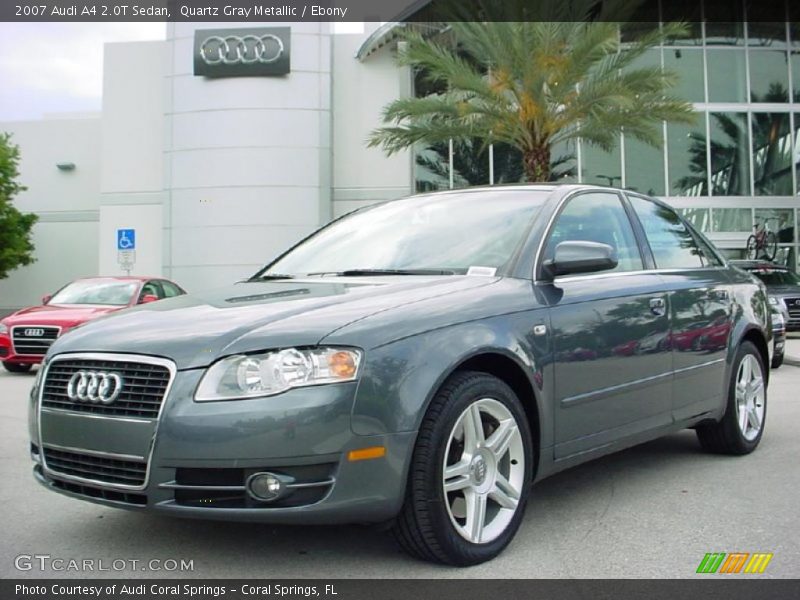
[[558, 189], [117, 278]]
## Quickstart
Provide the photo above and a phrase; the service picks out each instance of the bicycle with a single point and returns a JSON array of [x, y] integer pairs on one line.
[[762, 240]]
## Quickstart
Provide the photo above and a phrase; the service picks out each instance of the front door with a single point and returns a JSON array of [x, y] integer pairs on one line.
[[610, 334]]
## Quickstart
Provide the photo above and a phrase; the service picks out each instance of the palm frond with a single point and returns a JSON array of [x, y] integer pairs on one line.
[[535, 82]]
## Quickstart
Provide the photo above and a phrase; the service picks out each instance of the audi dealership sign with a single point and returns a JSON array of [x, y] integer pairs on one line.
[[262, 51]]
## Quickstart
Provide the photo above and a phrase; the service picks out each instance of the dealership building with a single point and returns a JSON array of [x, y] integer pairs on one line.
[[227, 142]]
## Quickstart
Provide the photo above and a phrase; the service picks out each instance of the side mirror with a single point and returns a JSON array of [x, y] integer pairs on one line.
[[147, 298], [46, 298], [580, 257]]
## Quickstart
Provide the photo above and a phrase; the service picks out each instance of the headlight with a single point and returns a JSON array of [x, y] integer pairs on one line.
[[3, 328], [253, 375], [773, 301]]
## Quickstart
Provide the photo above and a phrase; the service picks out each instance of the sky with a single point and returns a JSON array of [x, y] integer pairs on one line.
[[58, 67], [50, 68]]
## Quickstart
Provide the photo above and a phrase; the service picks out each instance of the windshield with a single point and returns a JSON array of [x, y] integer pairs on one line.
[[447, 233], [775, 277], [111, 293]]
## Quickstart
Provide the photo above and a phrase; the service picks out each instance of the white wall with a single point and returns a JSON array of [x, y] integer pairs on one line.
[[67, 203], [216, 175], [364, 175], [146, 220], [133, 133], [133, 117], [247, 159]]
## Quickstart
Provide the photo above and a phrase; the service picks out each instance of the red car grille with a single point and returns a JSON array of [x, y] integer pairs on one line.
[[33, 340]]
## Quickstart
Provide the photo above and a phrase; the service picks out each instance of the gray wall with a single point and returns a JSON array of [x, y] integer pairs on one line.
[[67, 204]]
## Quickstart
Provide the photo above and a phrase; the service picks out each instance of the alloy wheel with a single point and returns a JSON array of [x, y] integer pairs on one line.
[[750, 397], [483, 471]]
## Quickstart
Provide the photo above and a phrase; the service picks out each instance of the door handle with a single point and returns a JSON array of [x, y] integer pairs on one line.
[[658, 307]]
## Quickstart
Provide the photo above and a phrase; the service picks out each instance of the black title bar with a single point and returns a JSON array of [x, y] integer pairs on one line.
[[260, 11], [714, 588]]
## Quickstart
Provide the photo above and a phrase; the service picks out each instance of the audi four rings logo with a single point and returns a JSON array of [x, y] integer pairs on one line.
[[241, 50], [94, 386], [34, 332]]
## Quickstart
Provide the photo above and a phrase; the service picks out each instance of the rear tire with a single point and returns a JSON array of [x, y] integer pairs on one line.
[[17, 367], [740, 430], [475, 441]]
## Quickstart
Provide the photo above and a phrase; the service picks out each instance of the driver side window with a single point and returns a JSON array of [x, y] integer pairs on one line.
[[597, 217], [151, 288]]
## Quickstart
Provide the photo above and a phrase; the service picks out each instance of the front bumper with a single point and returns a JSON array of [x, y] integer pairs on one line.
[[196, 457]]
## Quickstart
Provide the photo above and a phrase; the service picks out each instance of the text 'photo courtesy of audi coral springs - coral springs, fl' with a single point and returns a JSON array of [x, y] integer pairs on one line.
[[420, 362]]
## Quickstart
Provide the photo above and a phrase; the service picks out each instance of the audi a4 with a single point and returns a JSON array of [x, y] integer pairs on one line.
[[783, 288], [26, 334], [420, 363]]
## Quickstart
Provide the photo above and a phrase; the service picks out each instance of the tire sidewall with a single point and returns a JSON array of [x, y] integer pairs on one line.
[[17, 367], [458, 399]]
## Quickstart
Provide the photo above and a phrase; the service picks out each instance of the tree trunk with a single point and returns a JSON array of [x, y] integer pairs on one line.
[[536, 162]]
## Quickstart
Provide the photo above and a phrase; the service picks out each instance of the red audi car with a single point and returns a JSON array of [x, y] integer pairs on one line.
[[26, 335]]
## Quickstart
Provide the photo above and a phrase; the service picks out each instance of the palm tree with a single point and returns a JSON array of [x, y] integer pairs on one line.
[[533, 75]]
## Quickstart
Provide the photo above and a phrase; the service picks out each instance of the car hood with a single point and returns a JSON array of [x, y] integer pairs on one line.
[[195, 330], [61, 315]]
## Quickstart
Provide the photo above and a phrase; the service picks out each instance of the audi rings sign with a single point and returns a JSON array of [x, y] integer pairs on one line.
[[94, 386], [241, 52]]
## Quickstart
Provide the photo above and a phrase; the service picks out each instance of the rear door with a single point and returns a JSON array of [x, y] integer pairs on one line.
[[610, 333], [699, 299]]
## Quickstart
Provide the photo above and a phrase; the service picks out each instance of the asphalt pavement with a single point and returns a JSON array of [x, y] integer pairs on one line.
[[651, 511]]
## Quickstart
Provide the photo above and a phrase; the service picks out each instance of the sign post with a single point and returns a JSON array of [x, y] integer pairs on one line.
[[126, 249]]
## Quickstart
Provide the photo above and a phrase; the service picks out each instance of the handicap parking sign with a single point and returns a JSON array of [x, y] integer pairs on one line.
[[126, 239]]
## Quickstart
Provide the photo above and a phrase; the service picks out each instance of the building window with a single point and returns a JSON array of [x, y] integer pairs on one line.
[[601, 167], [688, 63], [730, 154], [732, 220], [772, 154], [686, 158], [727, 79]]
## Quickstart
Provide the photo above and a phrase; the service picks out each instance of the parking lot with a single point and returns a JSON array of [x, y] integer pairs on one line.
[[652, 511]]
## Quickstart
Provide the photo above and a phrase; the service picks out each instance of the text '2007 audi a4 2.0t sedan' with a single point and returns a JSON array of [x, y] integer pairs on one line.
[[419, 362]]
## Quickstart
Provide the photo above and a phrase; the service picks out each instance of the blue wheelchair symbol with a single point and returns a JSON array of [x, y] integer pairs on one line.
[[126, 239]]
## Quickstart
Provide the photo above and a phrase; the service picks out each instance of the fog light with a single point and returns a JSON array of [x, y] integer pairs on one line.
[[265, 487]]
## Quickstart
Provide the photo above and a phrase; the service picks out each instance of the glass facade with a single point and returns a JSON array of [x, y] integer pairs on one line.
[[736, 167]]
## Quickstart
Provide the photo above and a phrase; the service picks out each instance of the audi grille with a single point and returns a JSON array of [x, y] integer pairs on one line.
[[33, 340]]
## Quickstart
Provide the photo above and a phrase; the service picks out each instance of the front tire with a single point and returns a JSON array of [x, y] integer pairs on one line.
[[17, 367], [777, 361], [470, 473], [740, 430]]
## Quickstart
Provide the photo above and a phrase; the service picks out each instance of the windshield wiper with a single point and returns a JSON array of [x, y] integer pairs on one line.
[[270, 277], [378, 272]]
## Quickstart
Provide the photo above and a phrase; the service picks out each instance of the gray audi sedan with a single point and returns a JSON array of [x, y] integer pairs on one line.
[[420, 362]]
